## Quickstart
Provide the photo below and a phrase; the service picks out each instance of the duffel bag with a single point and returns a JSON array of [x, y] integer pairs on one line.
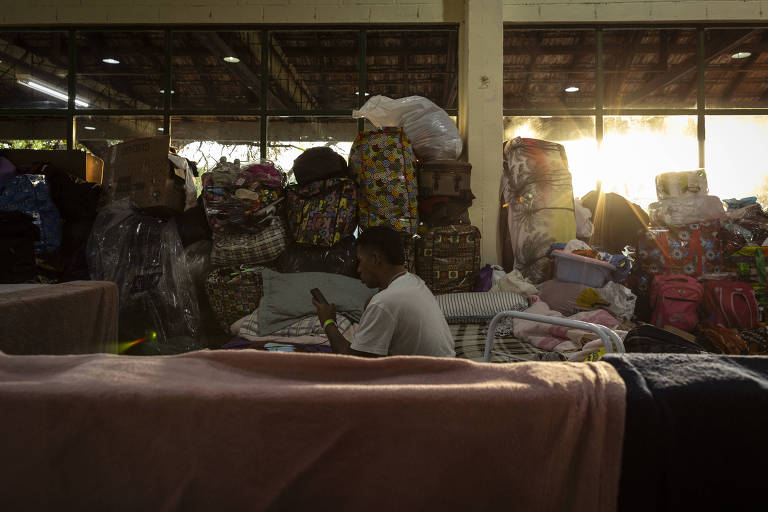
[[322, 212], [233, 293], [382, 162], [690, 250], [250, 248]]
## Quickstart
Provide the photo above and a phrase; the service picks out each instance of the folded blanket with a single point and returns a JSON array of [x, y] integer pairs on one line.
[[252, 430], [557, 337], [695, 431]]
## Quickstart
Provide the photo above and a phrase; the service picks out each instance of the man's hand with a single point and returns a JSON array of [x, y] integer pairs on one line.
[[324, 311]]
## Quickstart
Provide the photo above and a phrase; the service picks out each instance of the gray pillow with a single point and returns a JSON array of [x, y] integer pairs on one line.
[[287, 298]]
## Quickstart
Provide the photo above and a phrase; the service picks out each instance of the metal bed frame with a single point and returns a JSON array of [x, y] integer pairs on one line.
[[611, 341]]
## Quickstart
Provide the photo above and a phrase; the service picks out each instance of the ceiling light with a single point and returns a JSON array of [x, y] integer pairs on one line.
[[231, 59], [357, 93], [741, 55], [571, 88], [162, 91], [50, 91], [110, 60], [545, 117], [161, 129], [89, 127]]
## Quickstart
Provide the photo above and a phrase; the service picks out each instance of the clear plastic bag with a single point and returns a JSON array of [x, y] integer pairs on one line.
[[684, 210], [429, 128], [143, 255]]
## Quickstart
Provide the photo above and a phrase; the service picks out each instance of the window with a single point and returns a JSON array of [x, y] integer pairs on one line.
[[270, 91], [642, 93]]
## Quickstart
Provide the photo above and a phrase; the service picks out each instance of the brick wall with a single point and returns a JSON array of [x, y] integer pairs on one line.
[[35, 12], [594, 11]]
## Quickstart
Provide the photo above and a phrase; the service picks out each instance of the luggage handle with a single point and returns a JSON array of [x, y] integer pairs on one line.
[[611, 341]]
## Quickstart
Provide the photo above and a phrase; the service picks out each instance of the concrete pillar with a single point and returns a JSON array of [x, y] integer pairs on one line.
[[480, 113]]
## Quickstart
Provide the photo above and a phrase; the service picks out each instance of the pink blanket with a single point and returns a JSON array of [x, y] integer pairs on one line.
[[556, 337], [255, 431]]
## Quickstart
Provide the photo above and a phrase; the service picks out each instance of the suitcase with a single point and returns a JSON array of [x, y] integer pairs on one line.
[[382, 162], [679, 184], [322, 212], [445, 178], [443, 211], [448, 258]]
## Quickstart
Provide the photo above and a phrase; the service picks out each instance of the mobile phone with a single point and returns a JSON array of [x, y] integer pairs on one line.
[[317, 294]]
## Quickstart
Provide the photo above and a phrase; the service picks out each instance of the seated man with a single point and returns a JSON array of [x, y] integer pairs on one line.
[[403, 318]]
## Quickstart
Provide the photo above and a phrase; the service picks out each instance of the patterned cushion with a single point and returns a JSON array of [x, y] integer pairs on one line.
[[476, 307]]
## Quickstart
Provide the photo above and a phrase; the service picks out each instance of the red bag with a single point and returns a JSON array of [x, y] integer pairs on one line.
[[675, 300], [730, 304]]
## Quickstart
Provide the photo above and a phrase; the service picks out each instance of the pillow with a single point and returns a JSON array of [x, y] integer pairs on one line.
[[287, 298], [478, 307]]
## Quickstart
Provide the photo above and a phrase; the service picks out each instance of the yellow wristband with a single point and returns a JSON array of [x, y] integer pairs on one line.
[[329, 322]]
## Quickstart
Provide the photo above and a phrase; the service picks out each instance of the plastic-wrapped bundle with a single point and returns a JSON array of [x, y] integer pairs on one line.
[[339, 259], [681, 184], [429, 128], [681, 211], [236, 200], [143, 255]]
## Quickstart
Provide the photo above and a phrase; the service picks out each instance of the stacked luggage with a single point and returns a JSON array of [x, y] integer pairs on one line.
[[244, 206], [681, 266]]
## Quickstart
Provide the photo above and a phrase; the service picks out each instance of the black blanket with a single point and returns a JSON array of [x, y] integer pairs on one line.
[[696, 432]]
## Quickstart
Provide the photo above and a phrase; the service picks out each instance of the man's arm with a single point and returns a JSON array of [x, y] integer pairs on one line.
[[339, 343]]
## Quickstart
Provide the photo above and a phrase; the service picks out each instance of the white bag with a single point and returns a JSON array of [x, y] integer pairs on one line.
[[681, 211], [429, 128], [584, 226]]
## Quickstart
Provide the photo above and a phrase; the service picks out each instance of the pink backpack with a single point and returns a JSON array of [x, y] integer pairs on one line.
[[730, 304], [675, 301]]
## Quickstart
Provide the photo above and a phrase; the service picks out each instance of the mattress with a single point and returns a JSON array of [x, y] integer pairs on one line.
[[77, 317], [470, 344]]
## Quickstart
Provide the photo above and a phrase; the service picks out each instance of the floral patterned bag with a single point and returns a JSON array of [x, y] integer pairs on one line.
[[692, 250], [323, 212], [383, 164]]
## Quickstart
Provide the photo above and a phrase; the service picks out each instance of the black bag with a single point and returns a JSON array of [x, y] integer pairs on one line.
[[193, 225], [651, 339], [339, 259], [17, 247], [319, 164]]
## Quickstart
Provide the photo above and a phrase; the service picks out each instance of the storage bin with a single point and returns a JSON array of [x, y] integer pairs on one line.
[[580, 269]]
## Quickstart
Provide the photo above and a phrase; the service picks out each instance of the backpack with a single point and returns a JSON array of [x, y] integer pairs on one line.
[[383, 164], [322, 212], [730, 304], [675, 300], [650, 339], [319, 164]]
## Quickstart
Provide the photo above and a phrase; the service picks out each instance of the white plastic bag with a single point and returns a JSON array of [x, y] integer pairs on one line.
[[684, 210], [584, 226], [622, 300], [429, 128]]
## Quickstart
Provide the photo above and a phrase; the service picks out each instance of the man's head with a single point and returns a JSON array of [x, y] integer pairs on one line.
[[379, 254]]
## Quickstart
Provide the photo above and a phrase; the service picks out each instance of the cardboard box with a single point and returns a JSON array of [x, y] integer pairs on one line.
[[140, 169], [77, 163]]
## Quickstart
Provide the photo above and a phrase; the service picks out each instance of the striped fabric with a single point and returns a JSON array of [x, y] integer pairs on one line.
[[478, 307], [307, 326], [470, 344]]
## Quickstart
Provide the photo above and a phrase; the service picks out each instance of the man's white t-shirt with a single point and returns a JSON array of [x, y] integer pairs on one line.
[[404, 319]]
